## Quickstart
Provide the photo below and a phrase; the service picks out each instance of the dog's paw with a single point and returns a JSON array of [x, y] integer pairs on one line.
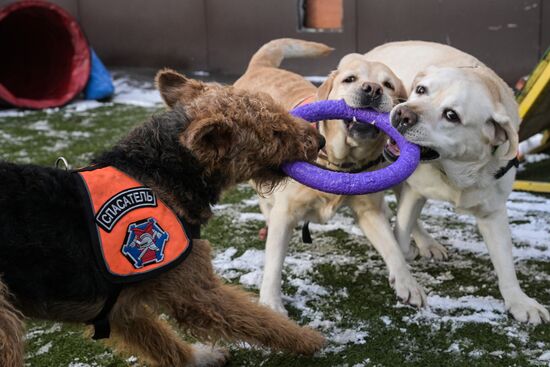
[[276, 304], [410, 253], [432, 250], [408, 290], [311, 341], [209, 356], [526, 309]]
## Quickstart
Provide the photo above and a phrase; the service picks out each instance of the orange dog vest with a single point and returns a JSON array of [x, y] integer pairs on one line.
[[136, 235]]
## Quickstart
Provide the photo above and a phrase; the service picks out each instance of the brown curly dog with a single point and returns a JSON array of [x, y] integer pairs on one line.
[[211, 137]]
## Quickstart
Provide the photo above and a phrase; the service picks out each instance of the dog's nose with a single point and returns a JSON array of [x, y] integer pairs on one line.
[[372, 90], [403, 117], [322, 142]]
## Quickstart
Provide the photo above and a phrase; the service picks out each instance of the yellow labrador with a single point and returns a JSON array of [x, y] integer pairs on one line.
[[465, 118], [349, 147]]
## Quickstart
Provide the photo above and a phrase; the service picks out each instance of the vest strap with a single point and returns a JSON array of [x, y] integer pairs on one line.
[[193, 229], [102, 327]]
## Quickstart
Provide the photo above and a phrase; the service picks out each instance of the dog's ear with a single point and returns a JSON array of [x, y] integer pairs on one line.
[[499, 129], [350, 58], [209, 139], [324, 90], [174, 87]]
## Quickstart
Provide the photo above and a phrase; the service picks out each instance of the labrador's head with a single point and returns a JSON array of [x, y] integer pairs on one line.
[[459, 114], [361, 84]]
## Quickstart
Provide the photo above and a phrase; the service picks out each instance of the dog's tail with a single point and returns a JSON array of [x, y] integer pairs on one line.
[[273, 53], [11, 332]]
